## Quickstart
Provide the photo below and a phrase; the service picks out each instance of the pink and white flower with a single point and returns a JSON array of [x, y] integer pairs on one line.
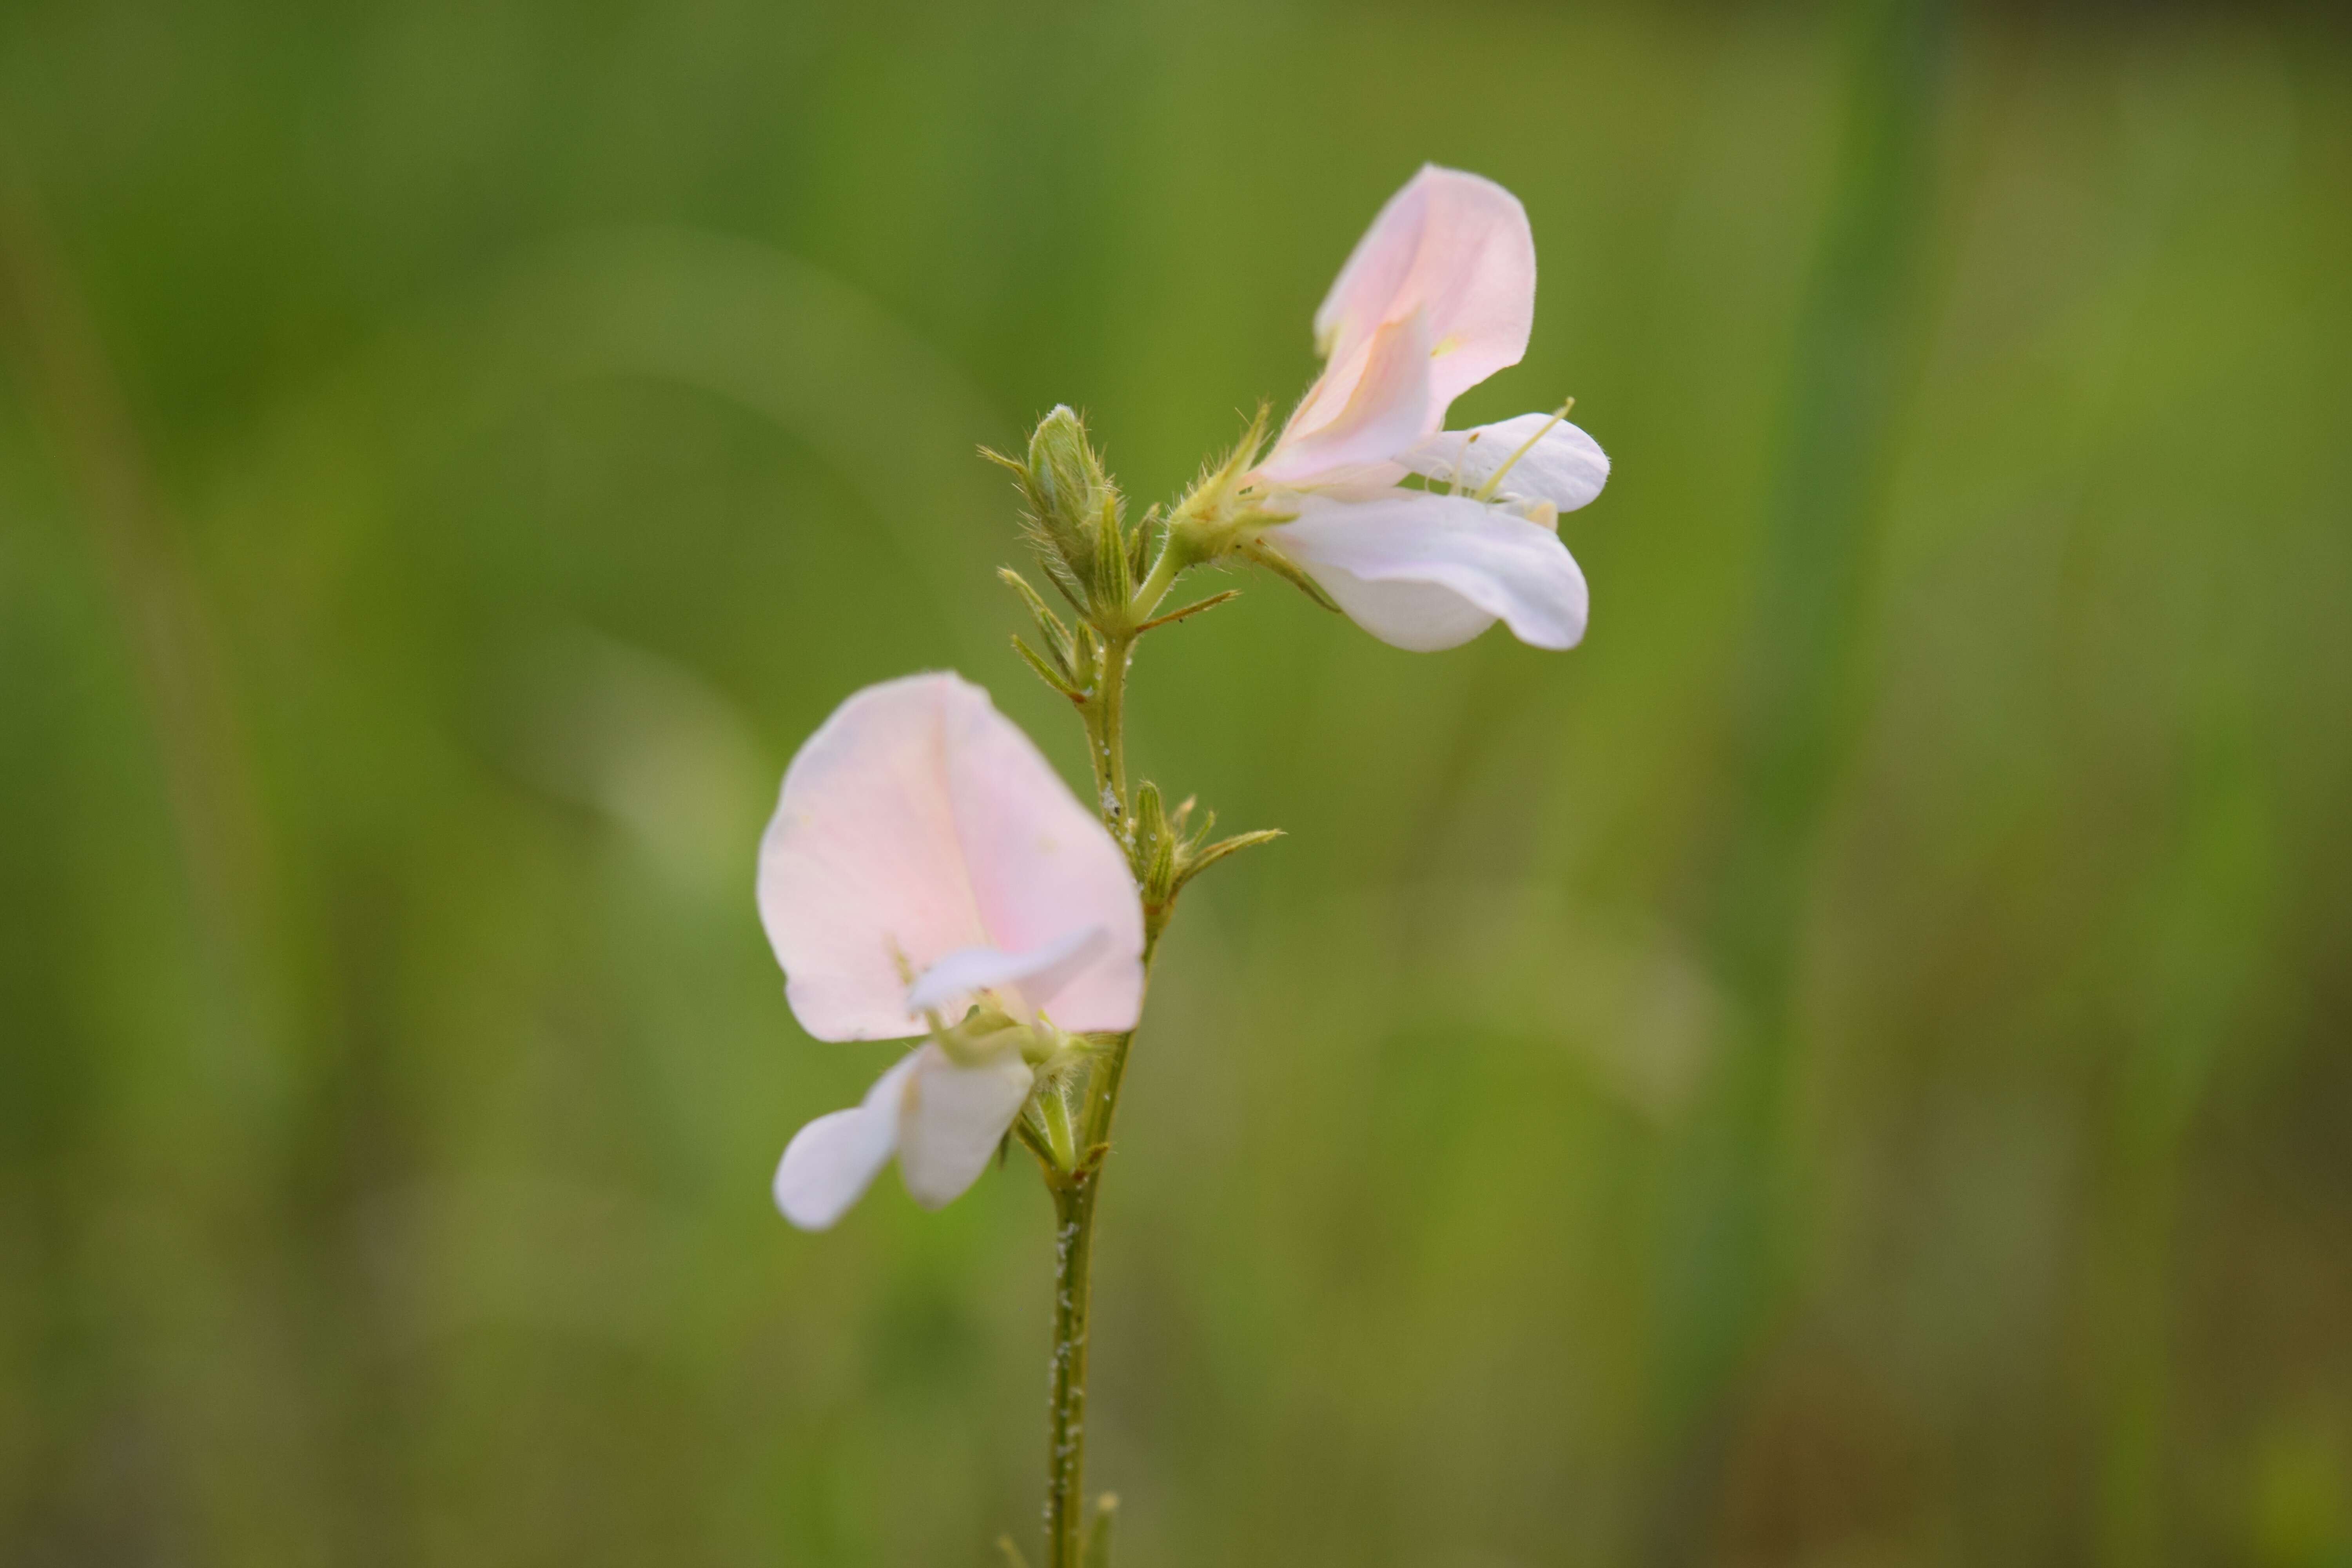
[[1438, 296], [925, 857]]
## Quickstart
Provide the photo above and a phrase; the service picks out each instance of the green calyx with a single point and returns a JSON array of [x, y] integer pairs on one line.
[[987, 1031], [1115, 578]]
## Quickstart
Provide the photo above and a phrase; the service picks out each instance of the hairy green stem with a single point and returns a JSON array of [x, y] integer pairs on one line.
[[1075, 1195], [1105, 712], [1076, 1186], [1065, 1425], [1116, 651], [1155, 587]]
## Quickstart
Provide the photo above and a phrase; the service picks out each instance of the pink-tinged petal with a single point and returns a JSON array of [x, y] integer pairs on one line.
[[952, 1120], [1043, 866], [1564, 466], [861, 868], [1424, 572], [1364, 410], [919, 822], [831, 1161], [1034, 977], [1456, 246]]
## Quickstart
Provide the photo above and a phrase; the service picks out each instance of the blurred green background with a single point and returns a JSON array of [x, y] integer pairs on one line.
[[1852, 1066]]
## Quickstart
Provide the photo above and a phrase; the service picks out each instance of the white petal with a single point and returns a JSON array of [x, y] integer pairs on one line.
[[1424, 572], [830, 1163], [1457, 246], [1565, 468], [1364, 410], [919, 822], [952, 1118], [1036, 975], [1420, 617]]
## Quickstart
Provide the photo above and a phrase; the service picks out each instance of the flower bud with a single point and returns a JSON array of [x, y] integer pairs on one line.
[[1155, 848], [1074, 507]]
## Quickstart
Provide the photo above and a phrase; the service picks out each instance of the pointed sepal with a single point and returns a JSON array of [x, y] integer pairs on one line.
[[1202, 859], [1194, 608], [1273, 561]]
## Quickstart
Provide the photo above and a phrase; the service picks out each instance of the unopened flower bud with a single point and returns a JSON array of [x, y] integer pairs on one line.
[[1072, 502], [1155, 847]]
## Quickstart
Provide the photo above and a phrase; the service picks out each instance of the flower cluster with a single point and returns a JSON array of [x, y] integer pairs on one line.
[[929, 877]]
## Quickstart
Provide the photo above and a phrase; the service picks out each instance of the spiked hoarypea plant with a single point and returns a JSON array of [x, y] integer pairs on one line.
[[928, 876]]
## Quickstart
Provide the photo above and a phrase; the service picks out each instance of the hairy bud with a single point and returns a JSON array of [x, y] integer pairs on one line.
[[1073, 508], [1154, 851]]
